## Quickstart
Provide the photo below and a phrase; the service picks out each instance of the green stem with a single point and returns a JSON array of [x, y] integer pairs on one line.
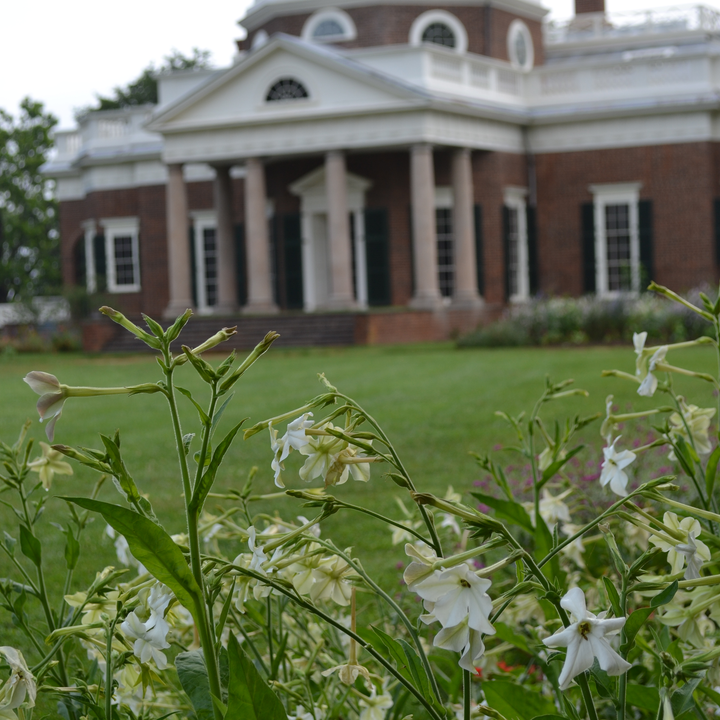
[[270, 634], [358, 508], [466, 694], [204, 630], [109, 669], [622, 682]]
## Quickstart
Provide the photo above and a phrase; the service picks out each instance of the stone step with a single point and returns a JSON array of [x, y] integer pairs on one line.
[[295, 331]]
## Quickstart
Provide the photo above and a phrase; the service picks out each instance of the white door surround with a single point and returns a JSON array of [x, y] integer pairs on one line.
[[311, 190]]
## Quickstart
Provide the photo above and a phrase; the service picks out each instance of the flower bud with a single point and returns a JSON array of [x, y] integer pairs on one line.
[[120, 319]]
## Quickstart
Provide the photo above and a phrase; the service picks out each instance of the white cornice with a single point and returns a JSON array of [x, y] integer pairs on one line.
[[260, 13]]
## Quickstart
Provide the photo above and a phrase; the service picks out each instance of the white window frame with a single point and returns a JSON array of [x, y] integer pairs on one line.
[[90, 230], [518, 27], [445, 200], [421, 23], [202, 220], [349, 31], [119, 227], [615, 194], [514, 198]]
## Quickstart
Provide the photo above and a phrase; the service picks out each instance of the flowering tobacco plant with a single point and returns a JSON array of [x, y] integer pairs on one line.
[[522, 600]]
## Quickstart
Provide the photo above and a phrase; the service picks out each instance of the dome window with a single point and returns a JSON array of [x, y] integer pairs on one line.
[[440, 34], [328, 28], [520, 46], [286, 89]]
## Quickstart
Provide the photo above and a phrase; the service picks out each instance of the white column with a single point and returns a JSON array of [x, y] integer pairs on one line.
[[257, 243], [465, 293], [342, 296], [422, 197], [225, 243], [179, 280]]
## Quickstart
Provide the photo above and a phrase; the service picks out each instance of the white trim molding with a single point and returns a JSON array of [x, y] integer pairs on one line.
[[519, 31], [615, 194], [90, 230], [115, 228], [349, 31], [514, 198], [202, 220], [429, 17]]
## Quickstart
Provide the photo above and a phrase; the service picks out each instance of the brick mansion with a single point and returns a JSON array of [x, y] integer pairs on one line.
[[398, 171]]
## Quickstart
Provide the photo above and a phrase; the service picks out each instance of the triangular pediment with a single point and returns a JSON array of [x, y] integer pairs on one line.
[[335, 85]]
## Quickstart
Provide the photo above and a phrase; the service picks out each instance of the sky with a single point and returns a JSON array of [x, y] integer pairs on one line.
[[64, 53]]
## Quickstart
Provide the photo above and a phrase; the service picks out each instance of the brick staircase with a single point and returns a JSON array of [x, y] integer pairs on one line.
[[301, 330]]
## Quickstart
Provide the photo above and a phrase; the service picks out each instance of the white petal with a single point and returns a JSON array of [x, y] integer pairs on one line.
[[42, 382], [608, 659], [639, 341], [454, 638], [574, 601], [579, 659], [562, 638]]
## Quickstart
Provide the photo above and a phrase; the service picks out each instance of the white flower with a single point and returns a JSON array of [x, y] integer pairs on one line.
[[302, 714], [585, 640], [374, 705], [697, 420], [613, 468], [456, 594], [49, 465], [552, 508], [20, 687], [690, 550], [348, 673], [343, 467], [463, 639], [52, 398], [424, 557], [321, 451], [576, 548], [668, 713], [149, 637], [295, 436], [122, 550], [258, 554], [330, 581], [649, 383], [639, 342]]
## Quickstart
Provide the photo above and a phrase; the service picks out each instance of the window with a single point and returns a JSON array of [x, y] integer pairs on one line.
[[206, 260], [517, 265], [440, 34], [520, 45], [286, 89], [617, 241], [331, 25], [439, 27], [122, 254]]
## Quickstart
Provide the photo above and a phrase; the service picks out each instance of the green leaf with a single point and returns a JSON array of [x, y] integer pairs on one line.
[[219, 413], [192, 672], [204, 369], [543, 546], [644, 697], [30, 546], [396, 652], [665, 596], [506, 510], [420, 678], [613, 596], [206, 481], [120, 473], [176, 328], [636, 620], [504, 632], [516, 702], [711, 471], [151, 546], [204, 419], [553, 468], [682, 699], [72, 549], [249, 696], [155, 327]]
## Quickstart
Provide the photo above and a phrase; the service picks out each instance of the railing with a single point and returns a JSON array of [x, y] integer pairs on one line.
[[658, 21], [476, 75], [68, 144]]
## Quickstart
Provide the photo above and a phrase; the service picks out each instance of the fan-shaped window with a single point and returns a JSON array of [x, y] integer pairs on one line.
[[286, 89], [328, 28], [440, 34]]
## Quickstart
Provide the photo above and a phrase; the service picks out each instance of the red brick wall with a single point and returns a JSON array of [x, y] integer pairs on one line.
[[390, 25], [679, 179]]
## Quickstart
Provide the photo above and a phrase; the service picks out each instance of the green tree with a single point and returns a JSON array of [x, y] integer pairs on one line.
[[29, 236], [144, 89]]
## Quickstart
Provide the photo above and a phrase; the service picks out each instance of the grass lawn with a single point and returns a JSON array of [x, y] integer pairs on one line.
[[435, 403]]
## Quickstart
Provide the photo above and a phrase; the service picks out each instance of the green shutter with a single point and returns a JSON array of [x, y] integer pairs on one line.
[[377, 256], [506, 247], [716, 209], [79, 261], [532, 247], [239, 232], [647, 270], [479, 251], [292, 242], [587, 221], [100, 263]]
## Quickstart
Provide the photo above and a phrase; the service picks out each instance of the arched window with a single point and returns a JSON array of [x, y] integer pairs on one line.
[[328, 28], [520, 46], [439, 27], [286, 88], [440, 34]]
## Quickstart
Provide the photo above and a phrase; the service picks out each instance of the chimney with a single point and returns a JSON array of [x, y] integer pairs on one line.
[[589, 6]]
